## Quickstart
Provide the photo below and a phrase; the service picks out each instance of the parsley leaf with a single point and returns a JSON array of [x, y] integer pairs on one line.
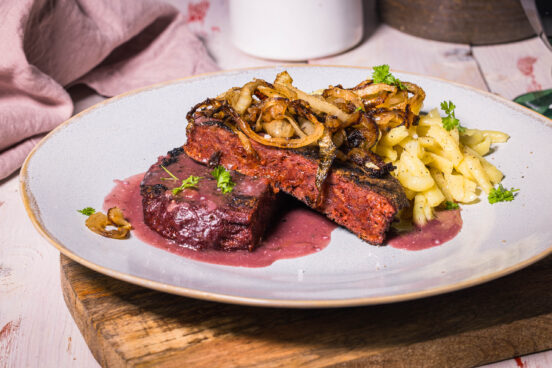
[[360, 108], [168, 172], [87, 211], [381, 75], [450, 122], [501, 194], [451, 205], [224, 180], [190, 182]]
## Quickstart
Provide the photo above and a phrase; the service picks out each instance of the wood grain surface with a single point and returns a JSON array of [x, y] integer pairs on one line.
[[130, 326]]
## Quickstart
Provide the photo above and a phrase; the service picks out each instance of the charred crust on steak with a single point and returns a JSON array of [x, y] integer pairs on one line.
[[172, 156], [152, 190], [214, 160]]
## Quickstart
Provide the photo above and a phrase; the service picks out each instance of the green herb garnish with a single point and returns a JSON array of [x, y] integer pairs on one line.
[[224, 180], [450, 122], [381, 75], [501, 194], [360, 108], [87, 211], [168, 172], [451, 205], [190, 182]]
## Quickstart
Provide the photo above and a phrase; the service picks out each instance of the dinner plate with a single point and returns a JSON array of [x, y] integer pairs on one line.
[[76, 164]]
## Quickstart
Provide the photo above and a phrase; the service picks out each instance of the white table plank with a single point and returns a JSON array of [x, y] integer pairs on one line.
[[412, 54], [214, 30], [516, 68], [36, 327]]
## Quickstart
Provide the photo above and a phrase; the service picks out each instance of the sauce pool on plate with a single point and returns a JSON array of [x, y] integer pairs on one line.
[[296, 231], [445, 226]]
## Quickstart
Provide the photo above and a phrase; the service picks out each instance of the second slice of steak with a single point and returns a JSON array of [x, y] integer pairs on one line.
[[365, 205], [204, 217]]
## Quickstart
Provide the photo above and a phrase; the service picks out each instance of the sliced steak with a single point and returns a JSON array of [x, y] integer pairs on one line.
[[365, 205], [205, 218]]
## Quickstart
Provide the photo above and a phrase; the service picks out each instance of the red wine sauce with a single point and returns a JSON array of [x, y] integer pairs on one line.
[[445, 226], [296, 231]]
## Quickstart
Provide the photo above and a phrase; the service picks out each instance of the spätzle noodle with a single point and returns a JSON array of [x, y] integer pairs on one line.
[[435, 165]]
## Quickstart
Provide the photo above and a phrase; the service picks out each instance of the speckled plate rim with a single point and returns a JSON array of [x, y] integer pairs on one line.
[[32, 212]]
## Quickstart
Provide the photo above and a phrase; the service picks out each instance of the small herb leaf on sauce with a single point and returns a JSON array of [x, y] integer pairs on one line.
[[451, 205], [190, 182], [501, 194], [450, 122], [381, 75], [224, 180], [87, 211]]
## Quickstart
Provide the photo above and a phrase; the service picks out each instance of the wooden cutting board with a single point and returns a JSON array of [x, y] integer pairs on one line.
[[130, 326]]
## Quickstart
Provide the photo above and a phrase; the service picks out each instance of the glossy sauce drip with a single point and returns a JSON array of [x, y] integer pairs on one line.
[[296, 231], [444, 227]]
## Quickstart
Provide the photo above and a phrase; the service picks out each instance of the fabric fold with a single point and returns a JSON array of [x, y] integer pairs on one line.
[[111, 46]]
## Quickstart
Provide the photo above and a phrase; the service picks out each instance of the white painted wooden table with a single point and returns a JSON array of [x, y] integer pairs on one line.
[[36, 329]]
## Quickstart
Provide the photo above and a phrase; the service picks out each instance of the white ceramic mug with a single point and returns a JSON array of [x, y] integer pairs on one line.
[[295, 30]]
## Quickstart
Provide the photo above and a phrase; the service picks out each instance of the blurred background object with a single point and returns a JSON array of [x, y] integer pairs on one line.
[[294, 30], [474, 22], [539, 13]]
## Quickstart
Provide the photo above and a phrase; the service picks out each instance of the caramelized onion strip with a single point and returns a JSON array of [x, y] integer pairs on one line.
[[276, 142]]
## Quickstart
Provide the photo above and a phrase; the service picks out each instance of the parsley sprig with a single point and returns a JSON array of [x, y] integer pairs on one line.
[[381, 75], [450, 122], [501, 194], [190, 182], [87, 211], [224, 180], [449, 205]]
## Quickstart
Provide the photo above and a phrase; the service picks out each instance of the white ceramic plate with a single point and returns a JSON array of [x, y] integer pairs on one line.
[[75, 165]]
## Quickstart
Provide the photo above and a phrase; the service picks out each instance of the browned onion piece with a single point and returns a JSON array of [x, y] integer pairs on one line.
[[369, 130], [98, 223], [295, 126], [388, 120], [283, 78], [245, 97], [417, 99], [339, 137], [396, 101], [273, 107], [279, 128], [345, 99], [327, 156], [372, 89], [317, 103], [275, 142], [268, 92]]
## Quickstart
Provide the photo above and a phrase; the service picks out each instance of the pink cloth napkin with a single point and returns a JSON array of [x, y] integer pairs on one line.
[[110, 45]]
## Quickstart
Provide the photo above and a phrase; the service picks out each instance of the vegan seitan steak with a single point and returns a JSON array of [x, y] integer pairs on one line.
[[363, 204], [203, 217]]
